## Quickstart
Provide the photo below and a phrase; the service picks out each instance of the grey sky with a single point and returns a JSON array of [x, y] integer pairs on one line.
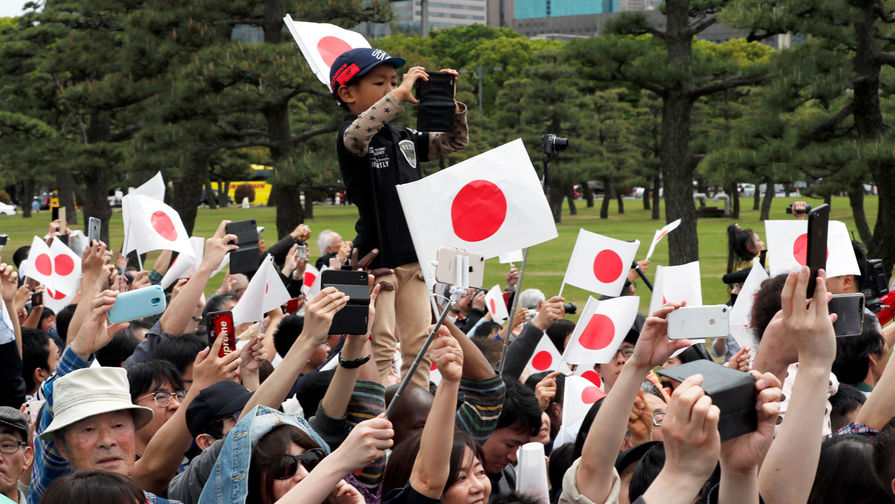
[[11, 8]]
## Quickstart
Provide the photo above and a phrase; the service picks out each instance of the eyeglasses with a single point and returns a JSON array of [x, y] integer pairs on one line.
[[162, 399], [658, 418], [11, 447], [626, 352], [288, 465]]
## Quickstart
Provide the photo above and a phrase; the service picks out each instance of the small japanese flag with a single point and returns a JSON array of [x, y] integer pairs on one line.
[[661, 234], [155, 189], [741, 313], [311, 280], [264, 293], [545, 357], [587, 372], [675, 284], [152, 225], [434, 374], [58, 268], [600, 330], [40, 264], [322, 43], [600, 264], [579, 395], [496, 305], [788, 247], [184, 266]]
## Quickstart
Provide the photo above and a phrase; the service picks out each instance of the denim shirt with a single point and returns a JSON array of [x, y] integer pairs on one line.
[[228, 482]]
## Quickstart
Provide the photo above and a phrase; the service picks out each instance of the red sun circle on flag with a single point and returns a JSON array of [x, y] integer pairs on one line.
[[598, 333], [592, 377], [57, 295], [608, 266], [64, 265], [800, 249], [479, 209], [163, 225], [542, 360], [492, 306], [309, 278], [330, 48], [590, 394], [43, 264]]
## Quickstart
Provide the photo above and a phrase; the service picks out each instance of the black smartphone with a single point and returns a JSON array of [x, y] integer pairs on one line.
[[850, 311], [816, 256], [247, 257], [37, 299], [55, 213], [352, 318], [436, 109]]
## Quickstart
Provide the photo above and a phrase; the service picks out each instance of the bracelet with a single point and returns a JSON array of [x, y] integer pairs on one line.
[[454, 310], [353, 364]]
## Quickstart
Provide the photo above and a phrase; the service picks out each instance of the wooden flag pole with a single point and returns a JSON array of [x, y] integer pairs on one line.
[[506, 340]]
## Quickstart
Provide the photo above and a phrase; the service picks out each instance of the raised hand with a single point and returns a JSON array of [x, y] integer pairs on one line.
[[218, 246], [365, 444], [740, 360], [653, 347], [478, 302], [745, 453], [640, 420], [545, 390], [447, 355], [404, 92], [94, 333], [209, 368], [550, 312], [9, 283], [319, 312], [512, 276], [809, 325]]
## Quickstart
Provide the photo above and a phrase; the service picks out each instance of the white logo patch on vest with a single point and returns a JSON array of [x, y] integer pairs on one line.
[[409, 151]]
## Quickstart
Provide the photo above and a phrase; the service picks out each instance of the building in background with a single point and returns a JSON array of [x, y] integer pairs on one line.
[[442, 14]]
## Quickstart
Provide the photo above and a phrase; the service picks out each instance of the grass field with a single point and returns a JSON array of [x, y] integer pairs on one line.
[[546, 262]]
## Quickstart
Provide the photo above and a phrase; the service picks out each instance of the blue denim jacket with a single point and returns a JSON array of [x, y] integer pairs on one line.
[[228, 482]]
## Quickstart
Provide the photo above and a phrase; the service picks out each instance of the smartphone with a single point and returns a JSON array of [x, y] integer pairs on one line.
[[697, 322], [303, 251], [436, 109], [247, 257], [54, 213], [818, 222], [221, 324], [292, 305], [352, 318], [37, 299], [446, 269], [850, 309], [137, 303], [62, 220], [94, 230]]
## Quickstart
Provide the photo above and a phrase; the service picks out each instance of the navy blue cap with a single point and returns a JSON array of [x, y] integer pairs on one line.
[[217, 401], [354, 63]]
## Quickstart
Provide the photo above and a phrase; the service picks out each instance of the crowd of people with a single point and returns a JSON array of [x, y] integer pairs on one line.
[[153, 410]]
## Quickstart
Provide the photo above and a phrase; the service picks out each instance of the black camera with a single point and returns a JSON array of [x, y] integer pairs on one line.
[[876, 285], [3, 240], [806, 210], [570, 308], [552, 143]]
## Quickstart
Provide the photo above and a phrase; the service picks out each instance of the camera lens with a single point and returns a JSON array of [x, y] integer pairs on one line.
[[156, 300]]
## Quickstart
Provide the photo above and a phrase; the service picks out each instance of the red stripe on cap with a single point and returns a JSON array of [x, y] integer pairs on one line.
[[344, 74]]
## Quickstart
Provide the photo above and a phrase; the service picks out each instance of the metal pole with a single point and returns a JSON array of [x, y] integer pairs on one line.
[[425, 17], [506, 340], [642, 275], [481, 76]]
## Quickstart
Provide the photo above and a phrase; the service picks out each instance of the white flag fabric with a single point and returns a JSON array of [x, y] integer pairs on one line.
[[545, 357], [322, 43], [511, 257], [675, 284], [310, 279], [150, 224], [578, 397], [741, 313], [657, 237], [531, 473], [491, 204], [600, 264], [788, 247], [600, 330], [496, 305], [39, 269], [155, 189], [184, 266], [57, 268], [264, 293]]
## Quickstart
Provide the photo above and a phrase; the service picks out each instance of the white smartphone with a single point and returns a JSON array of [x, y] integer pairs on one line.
[[697, 322], [446, 269]]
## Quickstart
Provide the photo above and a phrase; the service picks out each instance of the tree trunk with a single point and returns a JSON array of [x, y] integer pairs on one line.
[[188, 191], [555, 196], [225, 192], [588, 194], [756, 196], [65, 188], [289, 210], [27, 196], [683, 245], [768, 198], [607, 195], [657, 186], [570, 196], [856, 200], [309, 205], [210, 197], [95, 202], [645, 197], [621, 203]]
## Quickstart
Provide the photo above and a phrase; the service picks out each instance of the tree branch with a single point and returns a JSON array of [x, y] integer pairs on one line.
[[829, 124], [727, 84], [240, 145], [314, 132], [702, 25], [884, 58]]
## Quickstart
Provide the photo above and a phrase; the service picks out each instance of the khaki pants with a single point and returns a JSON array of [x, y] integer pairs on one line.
[[403, 313]]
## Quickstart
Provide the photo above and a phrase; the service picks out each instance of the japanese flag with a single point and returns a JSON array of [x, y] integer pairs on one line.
[[657, 237], [545, 357], [58, 268], [496, 305], [150, 224], [155, 189], [788, 247], [600, 264], [578, 397], [741, 313], [184, 266], [587, 372], [600, 330], [40, 264], [434, 374], [675, 284], [264, 293], [311, 280], [491, 204], [322, 43]]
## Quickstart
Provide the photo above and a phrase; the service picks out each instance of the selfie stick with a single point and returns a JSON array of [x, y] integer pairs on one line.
[[457, 290], [642, 275], [506, 340]]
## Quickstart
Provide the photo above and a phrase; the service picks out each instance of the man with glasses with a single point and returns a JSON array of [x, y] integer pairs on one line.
[[609, 371], [15, 454], [155, 384]]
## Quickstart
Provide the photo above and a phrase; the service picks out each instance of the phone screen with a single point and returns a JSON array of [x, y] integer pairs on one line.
[[849, 309], [355, 291], [818, 221]]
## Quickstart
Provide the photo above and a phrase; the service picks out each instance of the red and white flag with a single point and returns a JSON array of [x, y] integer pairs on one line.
[[155, 189], [741, 313], [311, 281], [578, 397], [788, 247], [496, 305], [38, 255], [675, 284], [490, 204], [150, 224], [600, 330], [264, 293], [322, 43], [58, 268], [184, 266], [545, 357], [600, 264], [671, 226], [588, 373]]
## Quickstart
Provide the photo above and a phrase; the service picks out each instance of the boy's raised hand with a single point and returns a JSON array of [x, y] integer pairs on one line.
[[653, 346], [404, 92]]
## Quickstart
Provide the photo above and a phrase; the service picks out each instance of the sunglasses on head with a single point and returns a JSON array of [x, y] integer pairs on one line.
[[289, 463]]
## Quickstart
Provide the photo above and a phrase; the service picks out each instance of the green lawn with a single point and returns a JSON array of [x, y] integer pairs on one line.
[[546, 262]]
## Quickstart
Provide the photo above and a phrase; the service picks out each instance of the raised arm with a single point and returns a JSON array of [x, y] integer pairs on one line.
[[519, 353], [789, 468], [94, 279], [9, 282], [594, 475]]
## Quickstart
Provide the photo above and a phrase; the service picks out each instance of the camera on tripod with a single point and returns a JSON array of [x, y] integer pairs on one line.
[[553, 144], [876, 285]]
